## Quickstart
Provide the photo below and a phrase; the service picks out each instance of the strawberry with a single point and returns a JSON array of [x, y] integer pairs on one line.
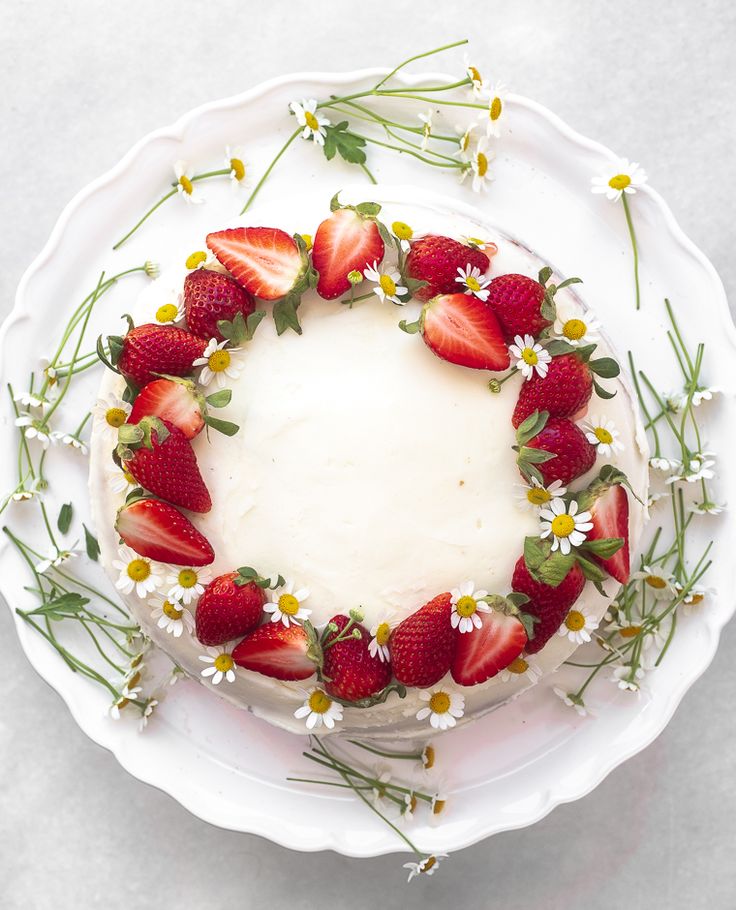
[[436, 260], [267, 262], [228, 610], [210, 297], [348, 240], [573, 454], [422, 646], [549, 604], [522, 305], [158, 531], [148, 350], [176, 401], [610, 517], [161, 459], [463, 330], [349, 670], [281, 652], [484, 652], [565, 390]]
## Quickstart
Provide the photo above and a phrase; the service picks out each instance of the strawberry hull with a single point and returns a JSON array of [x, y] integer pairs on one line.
[[226, 611]]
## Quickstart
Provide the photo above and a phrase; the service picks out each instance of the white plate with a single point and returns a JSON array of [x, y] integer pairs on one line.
[[512, 767]]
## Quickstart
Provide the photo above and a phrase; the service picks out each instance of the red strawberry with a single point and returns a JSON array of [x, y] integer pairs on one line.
[[516, 300], [266, 261], [161, 459], [463, 330], [549, 604], [210, 297], [422, 646], [346, 241], [484, 652], [610, 517], [158, 531], [175, 401], [436, 259], [349, 670], [227, 610], [565, 390], [281, 652], [574, 455], [150, 349]]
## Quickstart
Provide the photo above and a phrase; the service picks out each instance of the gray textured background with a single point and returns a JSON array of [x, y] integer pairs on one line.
[[81, 82]]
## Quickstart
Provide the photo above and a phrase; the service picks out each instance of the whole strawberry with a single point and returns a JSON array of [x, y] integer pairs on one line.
[[522, 305], [349, 670], [228, 610], [423, 645], [210, 297], [161, 459], [549, 604], [436, 260], [561, 438], [563, 392], [149, 350]]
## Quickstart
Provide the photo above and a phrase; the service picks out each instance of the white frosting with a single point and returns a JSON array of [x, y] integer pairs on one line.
[[366, 468]]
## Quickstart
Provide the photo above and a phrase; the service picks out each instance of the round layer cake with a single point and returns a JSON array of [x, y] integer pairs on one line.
[[366, 470]]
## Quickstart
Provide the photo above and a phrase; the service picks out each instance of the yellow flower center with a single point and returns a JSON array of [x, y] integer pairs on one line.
[[311, 120], [383, 633], [122, 703], [238, 168], [224, 662], [466, 606], [134, 680], [219, 361], [428, 757], [529, 355], [428, 864], [186, 184], [518, 665], [166, 313], [472, 284], [402, 230], [288, 604], [537, 496], [494, 111], [388, 285], [575, 621], [129, 477], [474, 75], [563, 525], [187, 578], [195, 259], [308, 241], [697, 598], [439, 703], [139, 569], [319, 702], [115, 417], [619, 182], [574, 329], [630, 631], [656, 581], [481, 164], [602, 435], [437, 806], [171, 610]]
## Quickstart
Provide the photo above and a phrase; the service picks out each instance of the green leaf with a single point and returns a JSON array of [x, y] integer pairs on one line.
[[247, 574], [339, 139], [545, 274], [115, 344], [568, 281], [601, 392], [219, 399], [528, 621], [590, 570], [544, 565], [371, 209], [604, 547], [226, 427], [63, 522], [335, 201], [91, 545], [605, 367], [377, 699], [559, 346], [411, 328], [533, 425], [285, 317]]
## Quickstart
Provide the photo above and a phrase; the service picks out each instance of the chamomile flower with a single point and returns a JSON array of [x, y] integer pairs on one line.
[[196, 260], [111, 413], [235, 160], [702, 394], [536, 495], [129, 693], [627, 677], [465, 142], [306, 115], [443, 707], [319, 710], [30, 400], [473, 281], [478, 84], [403, 233], [660, 463], [387, 283], [69, 439], [700, 467], [382, 776], [496, 109], [521, 666], [48, 370], [35, 428], [171, 616], [480, 161], [575, 326], [426, 866], [184, 185], [565, 525], [187, 584], [137, 574], [577, 626], [380, 634], [219, 363], [220, 666], [623, 176], [171, 312], [287, 605], [467, 603], [602, 433], [54, 559], [119, 480], [694, 599], [706, 507], [146, 715], [529, 357], [25, 492], [659, 584], [426, 120], [572, 701]]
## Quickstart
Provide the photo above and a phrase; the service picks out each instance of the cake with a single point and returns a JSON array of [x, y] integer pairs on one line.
[[373, 485]]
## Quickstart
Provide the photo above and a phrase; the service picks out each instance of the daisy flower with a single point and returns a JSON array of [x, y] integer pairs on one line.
[[387, 283], [382, 776], [136, 573], [442, 708], [306, 115], [147, 712], [111, 412], [69, 439], [567, 527], [658, 463], [234, 159], [187, 584], [130, 692], [535, 495], [602, 433], [704, 394], [55, 558], [694, 599], [403, 233], [184, 185], [170, 313], [285, 605], [380, 634], [34, 428], [29, 400], [577, 626], [660, 585], [623, 176], [626, 678], [473, 281], [480, 167], [426, 120], [170, 616], [521, 666], [575, 327], [465, 141], [477, 82], [218, 363], [119, 480], [24, 493], [319, 710], [529, 357], [221, 666], [496, 108], [426, 866], [466, 605], [48, 371], [706, 508], [572, 701]]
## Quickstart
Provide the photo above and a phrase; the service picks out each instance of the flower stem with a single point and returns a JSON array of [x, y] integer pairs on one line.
[[634, 247], [436, 50], [268, 170]]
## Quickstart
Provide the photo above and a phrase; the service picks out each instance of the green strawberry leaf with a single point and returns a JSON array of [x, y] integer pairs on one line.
[[378, 699], [590, 570], [115, 348], [240, 329], [605, 367], [601, 392], [285, 317], [90, 544], [528, 621], [226, 427], [411, 328], [371, 209], [219, 399], [64, 521], [546, 566], [533, 425], [604, 547]]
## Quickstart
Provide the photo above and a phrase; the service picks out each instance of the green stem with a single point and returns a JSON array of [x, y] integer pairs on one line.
[[634, 247], [145, 218], [268, 170], [436, 50]]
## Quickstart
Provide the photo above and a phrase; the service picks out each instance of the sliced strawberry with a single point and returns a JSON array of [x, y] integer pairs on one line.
[[484, 652], [148, 350], [158, 531], [346, 241], [350, 671], [423, 644], [210, 297], [278, 651], [463, 330], [610, 517], [227, 610], [266, 261], [436, 260], [176, 401], [549, 604]]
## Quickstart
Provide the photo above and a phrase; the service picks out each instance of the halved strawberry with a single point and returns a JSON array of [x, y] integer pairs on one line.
[[227, 610], [350, 671], [436, 260], [266, 261], [484, 652], [461, 329], [158, 531], [348, 240], [176, 401], [281, 652], [610, 517], [423, 644]]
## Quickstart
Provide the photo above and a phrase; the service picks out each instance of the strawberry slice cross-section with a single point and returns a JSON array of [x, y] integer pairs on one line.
[[158, 531]]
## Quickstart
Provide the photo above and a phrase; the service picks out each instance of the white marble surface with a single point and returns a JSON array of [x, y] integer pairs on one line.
[[81, 82]]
